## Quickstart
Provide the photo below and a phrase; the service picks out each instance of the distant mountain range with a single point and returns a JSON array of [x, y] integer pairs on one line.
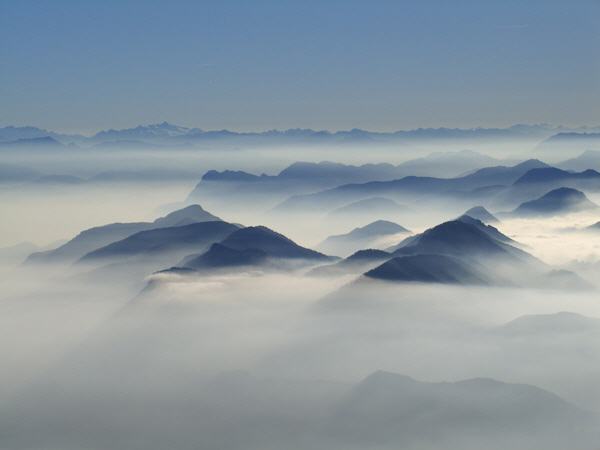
[[166, 133], [473, 186], [301, 177]]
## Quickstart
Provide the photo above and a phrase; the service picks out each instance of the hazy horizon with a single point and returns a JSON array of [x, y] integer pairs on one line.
[[79, 66], [475, 126]]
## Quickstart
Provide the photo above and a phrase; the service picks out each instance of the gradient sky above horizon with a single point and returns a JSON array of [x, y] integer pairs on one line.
[[81, 66]]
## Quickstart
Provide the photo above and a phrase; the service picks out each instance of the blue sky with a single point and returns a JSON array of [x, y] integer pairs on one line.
[[253, 65]]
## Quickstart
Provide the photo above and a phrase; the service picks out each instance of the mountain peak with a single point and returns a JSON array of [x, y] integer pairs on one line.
[[482, 214], [272, 243], [558, 201]]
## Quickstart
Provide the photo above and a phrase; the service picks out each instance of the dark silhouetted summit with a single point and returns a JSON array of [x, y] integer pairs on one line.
[[465, 237], [272, 243]]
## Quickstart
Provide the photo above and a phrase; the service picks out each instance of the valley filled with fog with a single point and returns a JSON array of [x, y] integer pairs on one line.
[[364, 290]]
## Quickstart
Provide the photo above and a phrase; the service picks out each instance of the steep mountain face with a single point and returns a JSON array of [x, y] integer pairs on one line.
[[220, 256], [429, 269], [253, 247], [185, 216], [466, 251], [490, 230], [272, 243], [462, 238], [462, 251], [482, 214], [556, 202], [361, 237], [97, 237], [171, 240]]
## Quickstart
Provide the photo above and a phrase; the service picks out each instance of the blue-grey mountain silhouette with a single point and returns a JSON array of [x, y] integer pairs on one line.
[[151, 132], [429, 269], [272, 243], [359, 262], [589, 159], [504, 175], [256, 246], [44, 142], [556, 202], [490, 230], [466, 186], [396, 411], [301, 177], [220, 256], [97, 237], [482, 214], [369, 207], [555, 175], [176, 239], [462, 237], [361, 237]]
